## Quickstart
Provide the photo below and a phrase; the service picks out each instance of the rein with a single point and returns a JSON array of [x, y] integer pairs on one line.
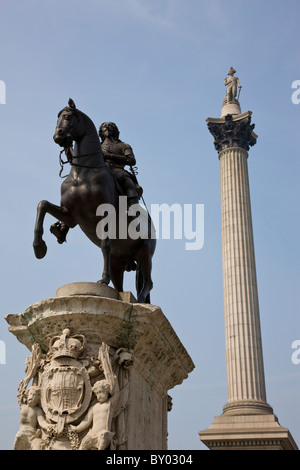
[[70, 160], [134, 171]]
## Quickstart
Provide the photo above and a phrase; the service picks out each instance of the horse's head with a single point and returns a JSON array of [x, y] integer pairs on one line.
[[70, 125]]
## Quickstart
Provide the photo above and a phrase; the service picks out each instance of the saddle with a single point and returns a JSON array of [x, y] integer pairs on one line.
[[119, 188]]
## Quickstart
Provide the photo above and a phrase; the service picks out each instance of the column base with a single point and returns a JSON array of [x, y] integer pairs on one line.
[[247, 432], [247, 407]]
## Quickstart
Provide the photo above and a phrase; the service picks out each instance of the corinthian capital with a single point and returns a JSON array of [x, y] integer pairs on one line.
[[232, 131]]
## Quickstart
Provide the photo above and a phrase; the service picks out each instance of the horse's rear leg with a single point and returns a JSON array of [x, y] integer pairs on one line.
[[117, 273], [106, 247], [60, 213], [144, 282]]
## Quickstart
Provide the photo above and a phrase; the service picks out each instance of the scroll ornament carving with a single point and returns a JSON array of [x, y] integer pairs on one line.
[[74, 402]]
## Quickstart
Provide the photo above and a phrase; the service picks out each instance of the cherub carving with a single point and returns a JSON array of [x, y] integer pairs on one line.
[[101, 414], [29, 435]]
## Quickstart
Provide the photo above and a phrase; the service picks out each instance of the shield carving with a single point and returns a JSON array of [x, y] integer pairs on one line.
[[65, 391]]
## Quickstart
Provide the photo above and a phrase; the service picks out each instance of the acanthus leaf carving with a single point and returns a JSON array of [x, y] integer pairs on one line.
[[232, 133]]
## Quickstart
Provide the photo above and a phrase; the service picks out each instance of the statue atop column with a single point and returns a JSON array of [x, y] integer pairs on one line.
[[231, 82], [231, 103]]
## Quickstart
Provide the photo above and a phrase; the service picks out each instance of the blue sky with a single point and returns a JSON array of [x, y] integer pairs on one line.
[[156, 68]]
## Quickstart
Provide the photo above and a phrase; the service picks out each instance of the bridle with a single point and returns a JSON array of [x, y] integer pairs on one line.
[[69, 154], [69, 150]]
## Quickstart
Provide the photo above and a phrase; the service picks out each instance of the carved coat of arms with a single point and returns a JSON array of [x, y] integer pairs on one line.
[[65, 385], [73, 402]]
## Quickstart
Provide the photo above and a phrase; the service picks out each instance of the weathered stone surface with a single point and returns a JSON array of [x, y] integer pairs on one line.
[[88, 288], [66, 335], [247, 432], [232, 108]]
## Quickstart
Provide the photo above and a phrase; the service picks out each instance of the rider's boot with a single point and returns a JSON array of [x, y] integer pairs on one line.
[[60, 231], [132, 200]]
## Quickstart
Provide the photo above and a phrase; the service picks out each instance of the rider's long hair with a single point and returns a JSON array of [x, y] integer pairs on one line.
[[116, 131]]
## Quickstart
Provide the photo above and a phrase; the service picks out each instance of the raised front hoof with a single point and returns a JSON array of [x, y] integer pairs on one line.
[[40, 249]]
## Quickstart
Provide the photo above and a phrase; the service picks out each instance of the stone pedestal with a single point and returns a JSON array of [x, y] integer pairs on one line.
[[247, 432], [230, 107], [247, 421], [85, 335]]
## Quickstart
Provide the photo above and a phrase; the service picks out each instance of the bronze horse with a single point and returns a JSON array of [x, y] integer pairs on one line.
[[89, 184]]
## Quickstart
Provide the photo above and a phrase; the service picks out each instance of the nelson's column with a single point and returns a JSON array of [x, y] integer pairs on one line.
[[247, 421]]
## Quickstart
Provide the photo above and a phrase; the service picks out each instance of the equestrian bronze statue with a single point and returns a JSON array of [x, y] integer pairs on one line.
[[95, 182]]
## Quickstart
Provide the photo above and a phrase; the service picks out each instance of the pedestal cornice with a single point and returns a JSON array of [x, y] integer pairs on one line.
[[142, 328]]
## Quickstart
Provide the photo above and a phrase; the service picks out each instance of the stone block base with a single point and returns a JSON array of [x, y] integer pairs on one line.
[[87, 343], [247, 432]]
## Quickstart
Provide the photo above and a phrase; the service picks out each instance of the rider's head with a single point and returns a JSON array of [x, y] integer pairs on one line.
[[108, 129]]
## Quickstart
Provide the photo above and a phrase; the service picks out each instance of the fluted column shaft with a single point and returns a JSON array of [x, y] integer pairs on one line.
[[244, 358]]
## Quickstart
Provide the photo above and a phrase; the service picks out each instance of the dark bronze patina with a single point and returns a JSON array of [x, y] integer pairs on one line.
[[117, 155], [90, 183]]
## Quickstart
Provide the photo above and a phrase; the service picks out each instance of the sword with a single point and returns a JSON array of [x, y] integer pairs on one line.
[[134, 173]]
